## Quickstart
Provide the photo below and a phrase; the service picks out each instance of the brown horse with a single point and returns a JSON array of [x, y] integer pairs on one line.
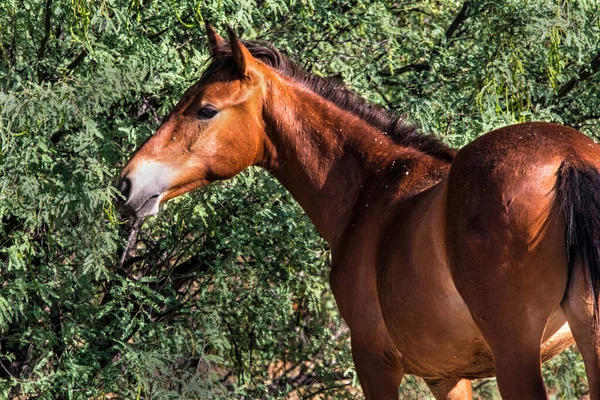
[[447, 265]]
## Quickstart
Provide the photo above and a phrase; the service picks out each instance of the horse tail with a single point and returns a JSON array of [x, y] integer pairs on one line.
[[579, 197]]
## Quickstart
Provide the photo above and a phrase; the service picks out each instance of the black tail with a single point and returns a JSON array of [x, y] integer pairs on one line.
[[579, 196]]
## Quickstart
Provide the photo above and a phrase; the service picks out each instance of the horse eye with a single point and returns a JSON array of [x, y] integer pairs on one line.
[[207, 112]]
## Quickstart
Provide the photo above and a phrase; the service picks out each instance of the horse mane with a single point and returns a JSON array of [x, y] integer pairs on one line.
[[390, 123]]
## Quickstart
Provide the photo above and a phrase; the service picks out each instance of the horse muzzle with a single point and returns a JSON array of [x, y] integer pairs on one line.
[[142, 189]]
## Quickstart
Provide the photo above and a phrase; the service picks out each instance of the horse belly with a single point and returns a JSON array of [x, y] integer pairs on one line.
[[437, 336], [426, 317], [435, 341]]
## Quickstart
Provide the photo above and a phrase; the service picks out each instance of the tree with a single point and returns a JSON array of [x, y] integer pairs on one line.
[[226, 293]]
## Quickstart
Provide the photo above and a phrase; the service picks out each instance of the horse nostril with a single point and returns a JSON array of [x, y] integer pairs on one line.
[[125, 187]]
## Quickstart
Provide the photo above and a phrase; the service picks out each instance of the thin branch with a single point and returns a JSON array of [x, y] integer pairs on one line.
[[237, 354], [78, 60], [584, 74], [131, 240], [42, 51], [458, 20], [158, 34], [412, 67], [8, 372], [416, 9]]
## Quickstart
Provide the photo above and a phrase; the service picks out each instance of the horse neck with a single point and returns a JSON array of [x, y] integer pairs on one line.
[[322, 154]]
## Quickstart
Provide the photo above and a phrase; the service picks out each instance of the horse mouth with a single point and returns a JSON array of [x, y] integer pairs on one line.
[[147, 209]]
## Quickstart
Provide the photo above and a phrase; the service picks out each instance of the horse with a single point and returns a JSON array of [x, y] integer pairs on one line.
[[449, 265]]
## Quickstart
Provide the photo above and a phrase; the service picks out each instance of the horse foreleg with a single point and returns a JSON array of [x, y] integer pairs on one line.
[[379, 370], [450, 389]]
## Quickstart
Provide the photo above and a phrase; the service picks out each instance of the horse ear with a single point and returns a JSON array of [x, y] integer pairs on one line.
[[214, 39], [241, 55]]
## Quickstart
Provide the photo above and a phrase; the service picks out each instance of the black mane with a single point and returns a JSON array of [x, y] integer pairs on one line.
[[390, 123]]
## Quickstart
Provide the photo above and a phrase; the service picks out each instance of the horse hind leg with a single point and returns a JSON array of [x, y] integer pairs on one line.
[[578, 308], [511, 303], [510, 286], [450, 389]]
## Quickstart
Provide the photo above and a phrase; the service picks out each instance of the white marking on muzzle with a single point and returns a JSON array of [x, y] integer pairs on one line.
[[149, 180]]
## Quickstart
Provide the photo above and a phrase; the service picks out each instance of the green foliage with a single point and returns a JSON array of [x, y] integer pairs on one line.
[[226, 295]]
